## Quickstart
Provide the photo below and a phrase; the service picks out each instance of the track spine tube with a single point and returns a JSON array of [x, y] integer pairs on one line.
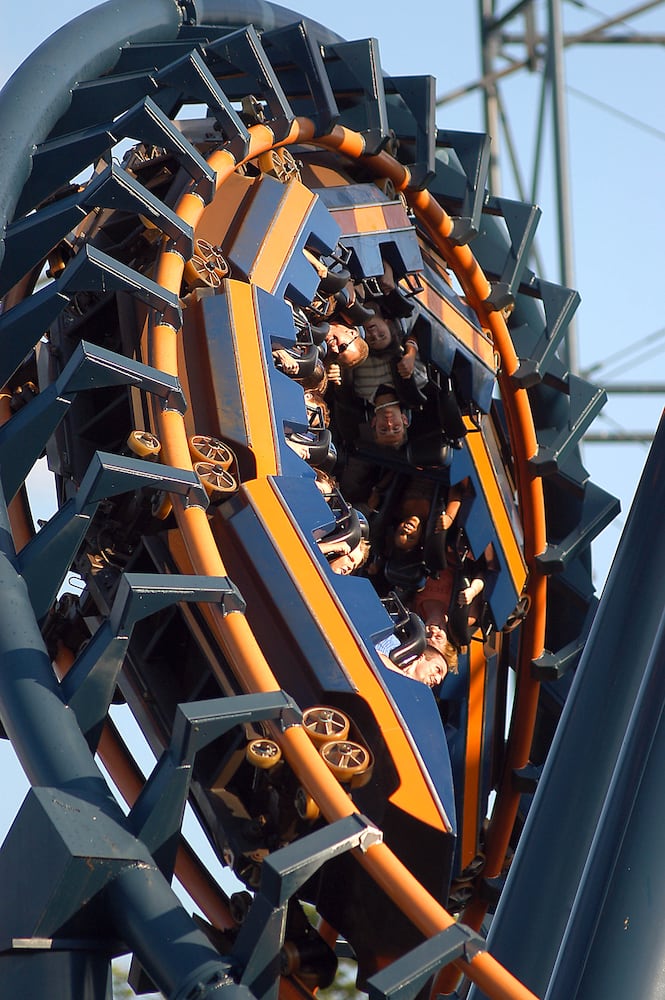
[[28, 114], [261, 13], [583, 759]]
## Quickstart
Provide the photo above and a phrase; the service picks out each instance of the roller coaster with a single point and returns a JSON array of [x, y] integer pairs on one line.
[[199, 193]]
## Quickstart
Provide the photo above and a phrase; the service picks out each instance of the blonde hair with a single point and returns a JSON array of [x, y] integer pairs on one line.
[[324, 481], [447, 651], [362, 548], [450, 656]]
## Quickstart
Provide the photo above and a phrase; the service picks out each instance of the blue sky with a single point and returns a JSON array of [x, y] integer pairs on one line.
[[616, 131]]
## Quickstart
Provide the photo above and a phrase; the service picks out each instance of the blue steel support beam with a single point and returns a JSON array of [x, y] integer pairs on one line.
[[156, 816], [366, 111], [102, 100], [403, 979], [473, 152], [583, 784], [198, 723], [23, 325], [46, 558], [257, 947], [411, 106], [551, 665], [56, 161], [30, 239], [23, 438], [53, 752], [81, 50], [536, 351], [598, 509], [296, 44], [242, 52], [90, 684], [556, 444], [615, 942], [506, 262], [198, 83], [91, 270]]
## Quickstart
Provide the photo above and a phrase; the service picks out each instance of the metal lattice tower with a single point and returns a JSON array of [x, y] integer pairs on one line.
[[526, 36]]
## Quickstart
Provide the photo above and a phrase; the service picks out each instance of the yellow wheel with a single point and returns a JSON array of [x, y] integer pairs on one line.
[[347, 760], [263, 753], [280, 163], [305, 805], [217, 481], [143, 444], [161, 506], [207, 267], [324, 724], [210, 449]]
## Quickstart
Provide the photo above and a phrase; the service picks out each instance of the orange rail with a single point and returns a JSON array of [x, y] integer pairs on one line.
[[529, 486], [234, 634]]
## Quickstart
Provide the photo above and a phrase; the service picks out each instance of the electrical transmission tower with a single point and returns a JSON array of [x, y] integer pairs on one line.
[[529, 37]]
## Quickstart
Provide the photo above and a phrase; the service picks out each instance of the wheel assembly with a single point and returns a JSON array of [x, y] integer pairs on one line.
[[206, 267], [217, 481], [263, 753], [305, 805], [348, 761], [323, 724], [143, 444], [209, 449]]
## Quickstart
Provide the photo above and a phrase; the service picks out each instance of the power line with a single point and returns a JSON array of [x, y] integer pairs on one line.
[[622, 18], [594, 370], [597, 34], [636, 388], [623, 115], [617, 434], [637, 360], [618, 437]]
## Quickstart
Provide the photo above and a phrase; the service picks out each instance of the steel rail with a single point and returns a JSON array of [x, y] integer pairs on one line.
[[236, 637], [477, 289]]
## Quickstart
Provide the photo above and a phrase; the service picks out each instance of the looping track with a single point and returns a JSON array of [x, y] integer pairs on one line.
[[116, 308]]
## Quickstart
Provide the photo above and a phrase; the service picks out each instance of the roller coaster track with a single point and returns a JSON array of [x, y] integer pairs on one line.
[[116, 252]]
